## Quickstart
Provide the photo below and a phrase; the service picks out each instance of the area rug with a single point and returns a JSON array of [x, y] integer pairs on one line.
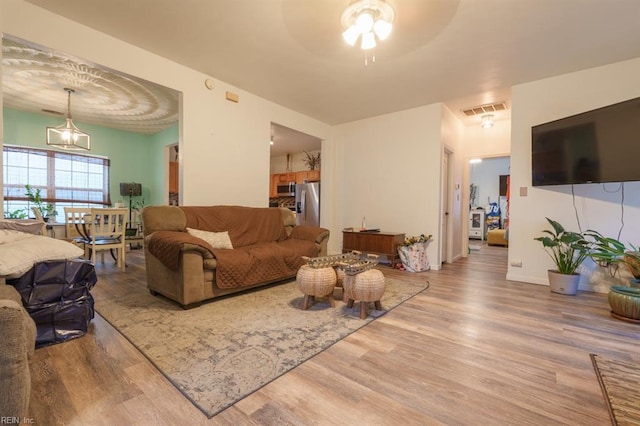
[[222, 351], [620, 384]]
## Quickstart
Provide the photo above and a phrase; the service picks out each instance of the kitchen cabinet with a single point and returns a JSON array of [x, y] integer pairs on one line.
[[297, 177], [286, 177], [280, 179], [174, 181], [308, 175]]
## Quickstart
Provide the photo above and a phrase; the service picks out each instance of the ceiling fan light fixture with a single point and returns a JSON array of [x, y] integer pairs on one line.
[[364, 21], [371, 21], [350, 35], [382, 29], [368, 41], [67, 136]]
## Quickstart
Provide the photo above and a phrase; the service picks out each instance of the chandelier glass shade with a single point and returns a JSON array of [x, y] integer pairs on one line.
[[487, 121], [368, 20], [67, 136]]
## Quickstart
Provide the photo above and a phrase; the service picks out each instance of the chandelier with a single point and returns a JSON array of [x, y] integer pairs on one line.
[[67, 136], [368, 20], [486, 121]]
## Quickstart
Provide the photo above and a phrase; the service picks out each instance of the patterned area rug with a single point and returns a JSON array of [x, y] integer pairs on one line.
[[620, 383], [222, 351]]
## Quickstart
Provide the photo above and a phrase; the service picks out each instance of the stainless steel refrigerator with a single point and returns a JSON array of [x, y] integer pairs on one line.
[[308, 204]]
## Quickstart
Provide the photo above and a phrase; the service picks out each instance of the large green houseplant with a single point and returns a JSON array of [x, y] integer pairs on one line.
[[610, 251], [568, 250]]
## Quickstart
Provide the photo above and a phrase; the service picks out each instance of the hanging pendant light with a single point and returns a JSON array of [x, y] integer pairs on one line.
[[67, 136]]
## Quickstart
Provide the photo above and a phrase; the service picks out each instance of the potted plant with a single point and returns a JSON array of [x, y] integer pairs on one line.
[[34, 196], [312, 160], [607, 251], [568, 250]]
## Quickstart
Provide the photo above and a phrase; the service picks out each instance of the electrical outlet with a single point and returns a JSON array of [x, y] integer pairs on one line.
[[516, 263]]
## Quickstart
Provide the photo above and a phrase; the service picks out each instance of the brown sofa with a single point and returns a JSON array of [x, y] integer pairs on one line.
[[18, 337], [267, 247]]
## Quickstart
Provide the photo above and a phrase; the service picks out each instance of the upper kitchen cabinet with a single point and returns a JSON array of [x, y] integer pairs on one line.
[[308, 175]]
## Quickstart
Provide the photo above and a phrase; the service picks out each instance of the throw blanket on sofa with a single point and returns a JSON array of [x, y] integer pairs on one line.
[[261, 263], [246, 225], [167, 245]]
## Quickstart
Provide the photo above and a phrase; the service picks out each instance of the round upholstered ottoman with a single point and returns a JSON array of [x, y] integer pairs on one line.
[[365, 287], [625, 303], [316, 282]]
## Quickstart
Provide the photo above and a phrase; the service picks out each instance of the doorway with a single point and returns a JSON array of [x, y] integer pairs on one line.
[[173, 175], [488, 201]]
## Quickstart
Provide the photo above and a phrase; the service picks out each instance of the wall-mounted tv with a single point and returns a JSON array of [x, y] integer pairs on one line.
[[597, 146]]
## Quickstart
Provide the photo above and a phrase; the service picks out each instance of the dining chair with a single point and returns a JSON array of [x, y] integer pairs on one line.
[[76, 229], [107, 232]]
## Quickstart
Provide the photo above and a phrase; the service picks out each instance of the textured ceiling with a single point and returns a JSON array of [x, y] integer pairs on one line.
[[34, 78], [464, 53]]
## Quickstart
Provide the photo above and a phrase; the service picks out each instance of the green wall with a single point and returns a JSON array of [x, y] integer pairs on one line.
[[133, 156]]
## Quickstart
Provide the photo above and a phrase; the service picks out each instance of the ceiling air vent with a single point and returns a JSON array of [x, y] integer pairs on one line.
[[485, 109]]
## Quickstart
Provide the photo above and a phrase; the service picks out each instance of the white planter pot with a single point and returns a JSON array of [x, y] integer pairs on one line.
[[563, 283]]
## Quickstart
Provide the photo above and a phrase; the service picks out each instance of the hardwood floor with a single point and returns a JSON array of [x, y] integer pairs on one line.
[[473, 348]]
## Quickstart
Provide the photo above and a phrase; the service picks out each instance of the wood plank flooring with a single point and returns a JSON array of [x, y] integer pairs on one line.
[[473, 349]]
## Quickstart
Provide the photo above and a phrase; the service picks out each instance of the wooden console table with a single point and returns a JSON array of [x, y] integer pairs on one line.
[[380, 243]]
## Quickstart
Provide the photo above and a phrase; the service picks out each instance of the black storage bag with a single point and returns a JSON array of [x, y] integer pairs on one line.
[[56, 295]]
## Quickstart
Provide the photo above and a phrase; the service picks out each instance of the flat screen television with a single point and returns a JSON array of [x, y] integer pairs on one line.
[[597, 146]]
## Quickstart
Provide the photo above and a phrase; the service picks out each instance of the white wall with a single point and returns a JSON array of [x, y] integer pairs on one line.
[[491, 142], [279, 163], [598, 206], [224, 148], [389, 172]]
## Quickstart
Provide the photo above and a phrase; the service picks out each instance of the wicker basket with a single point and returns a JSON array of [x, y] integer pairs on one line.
[[314, 282], [367, 286]]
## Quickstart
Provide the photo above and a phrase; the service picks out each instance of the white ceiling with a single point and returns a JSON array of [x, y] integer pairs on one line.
[[464, 53]]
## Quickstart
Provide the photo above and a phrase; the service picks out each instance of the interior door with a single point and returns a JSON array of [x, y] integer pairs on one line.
[[446, 190]]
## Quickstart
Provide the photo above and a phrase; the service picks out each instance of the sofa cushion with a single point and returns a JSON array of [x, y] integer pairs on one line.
[[246, 225], [261, 263], [217, 240]]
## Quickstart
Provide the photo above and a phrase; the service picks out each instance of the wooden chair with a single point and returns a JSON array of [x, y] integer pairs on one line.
[[76, 229], [107, 232]]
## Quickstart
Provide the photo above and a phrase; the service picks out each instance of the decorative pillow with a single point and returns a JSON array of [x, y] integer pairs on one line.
[[218, 240], [19, 256], [23, 225]]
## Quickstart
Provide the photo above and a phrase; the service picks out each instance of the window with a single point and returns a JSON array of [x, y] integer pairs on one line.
[[64, 179]]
